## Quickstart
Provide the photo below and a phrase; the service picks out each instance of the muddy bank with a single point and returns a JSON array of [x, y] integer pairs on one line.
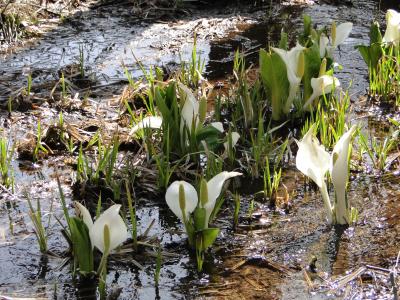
[[111, 38]]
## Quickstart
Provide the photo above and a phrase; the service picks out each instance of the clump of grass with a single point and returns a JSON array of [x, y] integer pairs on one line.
[[10, 26], [6, 154], [103, 165], [382, 59], [190, 72], [378, 150], [271, 183], [245, 95], [330, 117], [385, 79], [36, 217], [39, 146]]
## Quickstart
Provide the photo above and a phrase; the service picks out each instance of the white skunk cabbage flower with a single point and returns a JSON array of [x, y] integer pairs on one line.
[[314, 161], [153, 122], [235, 135], [235, 139], [321, 85], [190, 109], [392, 34], [338, 35], [218, 126], [294, 62], [342, 32], [172, 199], [111, 218], [323, 45], [339, 171], [214, 187]]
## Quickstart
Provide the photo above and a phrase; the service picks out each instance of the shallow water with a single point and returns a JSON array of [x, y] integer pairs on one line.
[[288, 239]]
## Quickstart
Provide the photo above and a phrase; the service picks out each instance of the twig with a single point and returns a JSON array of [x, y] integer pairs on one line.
[[384, 270]]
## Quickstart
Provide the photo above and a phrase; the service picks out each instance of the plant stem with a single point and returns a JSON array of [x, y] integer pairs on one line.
[[341, 209], [327, 203]]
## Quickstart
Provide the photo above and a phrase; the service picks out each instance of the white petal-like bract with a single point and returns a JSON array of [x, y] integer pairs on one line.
[[321, 85], [291, 60], [235, 139], [312, 159], [153, 122], [214, 187], [392, 34], [116, 225], [323, 45], [342, 32], [172, 198], [218, 126], [84, 214], [190, 109], [339, 162]]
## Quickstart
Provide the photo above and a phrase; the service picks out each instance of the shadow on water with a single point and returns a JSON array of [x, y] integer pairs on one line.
[[333, 243], [248, 41]]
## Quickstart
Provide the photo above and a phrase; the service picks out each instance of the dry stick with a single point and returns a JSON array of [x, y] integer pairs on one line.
[[148, 228]]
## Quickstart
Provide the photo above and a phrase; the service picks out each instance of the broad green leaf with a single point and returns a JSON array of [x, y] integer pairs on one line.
[[364, 51], [371, 54], [170, 94], [375, 36], [274, 77], [210, 135], [312, 63], [209, 237]]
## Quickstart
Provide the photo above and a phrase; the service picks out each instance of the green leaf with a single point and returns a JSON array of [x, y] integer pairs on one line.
[[312, 63], [199, 216], [209, 237], [371, 54], [283, 43], [191, 232], [162, 105], [307, 26], [274, 78], [210, 135], [170, 94], [82, 247], [375, 36]]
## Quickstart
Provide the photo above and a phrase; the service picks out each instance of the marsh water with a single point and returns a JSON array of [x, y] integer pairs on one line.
[[266, 257]]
